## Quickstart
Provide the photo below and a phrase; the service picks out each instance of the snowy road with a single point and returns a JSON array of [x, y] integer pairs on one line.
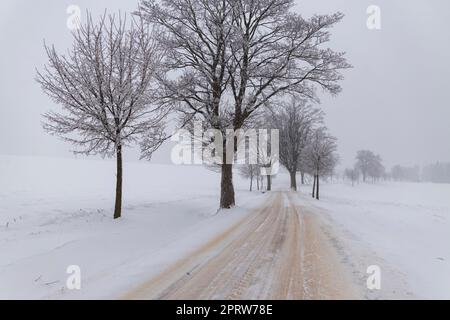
[[277, 252]]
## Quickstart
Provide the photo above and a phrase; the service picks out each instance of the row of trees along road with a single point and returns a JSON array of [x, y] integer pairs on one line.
[[232, 57], [296, 122], [218, 61], [305, 145]]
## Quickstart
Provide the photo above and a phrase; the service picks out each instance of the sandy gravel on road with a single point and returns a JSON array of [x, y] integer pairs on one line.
[[276, 252]]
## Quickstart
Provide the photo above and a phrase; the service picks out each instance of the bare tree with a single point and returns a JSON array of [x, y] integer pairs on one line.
[[376, 169], [302, 168], [195, 36], [103, 86], [251, 172], [295, 121], [233, 56], [320, 157], [363, 160], [369, 164], [266, 162], [352, 174], [266, 151], [274, 52]]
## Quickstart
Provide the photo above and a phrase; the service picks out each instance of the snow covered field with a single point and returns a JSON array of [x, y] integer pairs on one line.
[[402, 227], [58, 212]]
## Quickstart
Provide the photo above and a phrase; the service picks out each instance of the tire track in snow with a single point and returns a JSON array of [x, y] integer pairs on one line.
[[276, 252]]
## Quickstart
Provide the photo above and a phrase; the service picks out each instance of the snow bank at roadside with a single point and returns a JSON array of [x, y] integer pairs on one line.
[[57, 212], [402, 227]]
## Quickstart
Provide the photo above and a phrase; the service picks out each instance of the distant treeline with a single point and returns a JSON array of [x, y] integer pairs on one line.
[[438, 172]]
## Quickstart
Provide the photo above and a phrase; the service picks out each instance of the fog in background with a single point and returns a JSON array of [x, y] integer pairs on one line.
[[395, 101]]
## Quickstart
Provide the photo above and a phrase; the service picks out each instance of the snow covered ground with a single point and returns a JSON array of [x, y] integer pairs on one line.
[[58, 212], [402, 227]]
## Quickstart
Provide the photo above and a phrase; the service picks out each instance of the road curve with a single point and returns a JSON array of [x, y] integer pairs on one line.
[[276, 252]]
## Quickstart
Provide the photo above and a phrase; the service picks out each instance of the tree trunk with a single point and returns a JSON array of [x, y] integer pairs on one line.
[[251, 183], [293, 180], [302, 175], [118, 204], [317, 186], [257, 183], [269, 183], [314, 187], [226, 187]]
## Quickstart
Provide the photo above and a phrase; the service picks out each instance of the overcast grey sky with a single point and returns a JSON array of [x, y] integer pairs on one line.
[[395, 101]]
